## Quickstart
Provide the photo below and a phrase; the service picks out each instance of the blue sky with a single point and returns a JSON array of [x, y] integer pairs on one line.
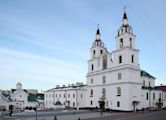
[[46, 42]]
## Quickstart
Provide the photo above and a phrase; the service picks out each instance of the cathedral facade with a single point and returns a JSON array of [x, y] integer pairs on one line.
[[113, 77]]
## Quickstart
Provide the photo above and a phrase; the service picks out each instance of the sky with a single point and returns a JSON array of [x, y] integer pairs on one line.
[[44, 43]]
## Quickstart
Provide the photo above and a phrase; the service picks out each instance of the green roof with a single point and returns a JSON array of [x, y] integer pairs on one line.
[[35, 97], [32, 97], [40, 96], [145, 74], [58, 103]]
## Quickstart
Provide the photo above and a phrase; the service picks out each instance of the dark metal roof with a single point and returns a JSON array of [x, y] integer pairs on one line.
[[163, 88], [145, 74]]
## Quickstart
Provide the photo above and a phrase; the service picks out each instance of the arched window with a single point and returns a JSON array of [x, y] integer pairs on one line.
[[94, 53], [120, 59], [92, 67], [121, 42], [118, 91], [101, 51], [132, 58], [130, 42], [105, 61]]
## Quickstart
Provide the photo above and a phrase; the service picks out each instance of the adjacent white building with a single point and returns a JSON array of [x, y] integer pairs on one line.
[[66, 96], [20, 98], [114, 77]]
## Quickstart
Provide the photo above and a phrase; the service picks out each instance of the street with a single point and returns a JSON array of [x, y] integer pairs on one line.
[[90, 115], [152, 115]]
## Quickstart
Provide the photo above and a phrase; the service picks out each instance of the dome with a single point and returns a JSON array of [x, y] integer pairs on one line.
[[19, 85], [125, 28], [98, 41]]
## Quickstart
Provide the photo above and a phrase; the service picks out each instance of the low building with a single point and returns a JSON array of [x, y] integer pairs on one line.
[[20, 99], [71, 96]]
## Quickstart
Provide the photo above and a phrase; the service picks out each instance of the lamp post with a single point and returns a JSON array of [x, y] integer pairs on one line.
[[36, 112], [36, 109]]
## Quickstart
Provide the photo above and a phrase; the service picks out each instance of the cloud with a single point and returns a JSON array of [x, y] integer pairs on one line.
[[39, 67]]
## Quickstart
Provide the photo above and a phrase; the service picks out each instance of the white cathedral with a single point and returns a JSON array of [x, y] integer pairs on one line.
[[114, 77]]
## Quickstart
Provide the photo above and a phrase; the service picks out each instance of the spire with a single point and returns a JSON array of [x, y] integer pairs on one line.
[[125, 20], [124, 15], [98, 42], [98, 33]]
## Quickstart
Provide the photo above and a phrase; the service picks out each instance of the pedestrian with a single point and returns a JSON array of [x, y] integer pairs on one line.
[[11, 113], [142, 110], [55, 117]]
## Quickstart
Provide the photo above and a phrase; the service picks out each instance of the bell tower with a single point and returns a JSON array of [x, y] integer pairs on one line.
[[125, 37], [97, 46], [126, 52], [97, 51]]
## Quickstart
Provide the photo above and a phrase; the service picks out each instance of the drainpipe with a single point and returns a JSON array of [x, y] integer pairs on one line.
[[149, 97], [77, 106]]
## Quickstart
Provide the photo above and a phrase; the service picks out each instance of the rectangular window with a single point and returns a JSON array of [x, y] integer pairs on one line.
[[73, 104], [91, 93], [91, 102], [153, 96], [107, 103], [119, 76], [160, 95], [132, 58], [147, 96], [73, 95], [144, 83], [104, 79], [64, 95], [91, 81], [59, 95], [118, 104], [103, 91], [81, 96], [149, 84], [68, 95], [118, 91]]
